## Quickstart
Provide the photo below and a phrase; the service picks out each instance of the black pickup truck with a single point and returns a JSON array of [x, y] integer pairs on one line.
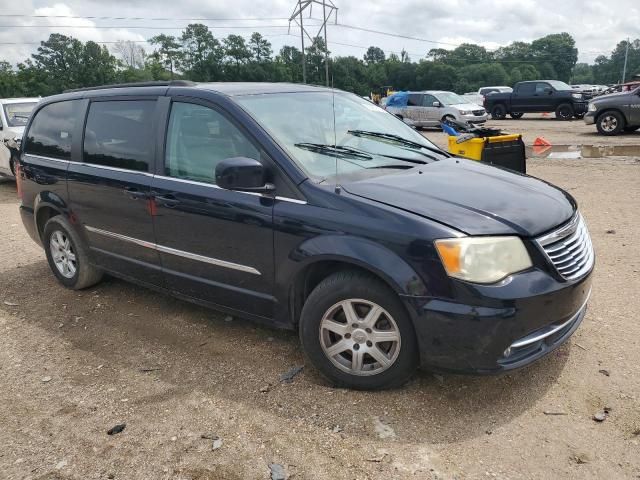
[[537, 96]]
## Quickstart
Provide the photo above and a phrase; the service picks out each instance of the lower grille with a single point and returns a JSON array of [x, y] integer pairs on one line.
[[478, 113], [569, 249]]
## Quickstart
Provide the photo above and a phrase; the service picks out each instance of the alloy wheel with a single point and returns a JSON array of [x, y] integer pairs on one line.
[[609, 123], [360, 337], [63, 255]]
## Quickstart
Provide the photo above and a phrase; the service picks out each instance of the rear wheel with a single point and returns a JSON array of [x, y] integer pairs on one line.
[[564, 112], [68, 256], [499, 112], [356, 332], [610, 123], [516, 115]]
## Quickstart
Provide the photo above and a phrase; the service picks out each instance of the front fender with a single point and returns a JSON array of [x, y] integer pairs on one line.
[[360, 252]]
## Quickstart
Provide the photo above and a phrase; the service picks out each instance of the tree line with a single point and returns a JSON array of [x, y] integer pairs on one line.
[[63, 62]]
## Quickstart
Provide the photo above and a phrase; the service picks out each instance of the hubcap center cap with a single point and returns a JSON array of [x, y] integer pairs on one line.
[[359, 336]]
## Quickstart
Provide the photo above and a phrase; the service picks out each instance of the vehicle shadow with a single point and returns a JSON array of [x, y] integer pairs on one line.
[[131, 329]]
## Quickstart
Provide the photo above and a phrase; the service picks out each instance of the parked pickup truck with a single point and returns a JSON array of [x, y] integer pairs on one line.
[[615, 113], [537, 96]]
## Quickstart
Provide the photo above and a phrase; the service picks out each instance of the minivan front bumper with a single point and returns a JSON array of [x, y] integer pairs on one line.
[[502, 327]]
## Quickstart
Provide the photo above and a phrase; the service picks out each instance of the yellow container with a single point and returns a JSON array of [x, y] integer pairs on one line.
[[472, 148]]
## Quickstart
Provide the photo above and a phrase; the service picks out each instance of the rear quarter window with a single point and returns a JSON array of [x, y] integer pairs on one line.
[[52, 129]]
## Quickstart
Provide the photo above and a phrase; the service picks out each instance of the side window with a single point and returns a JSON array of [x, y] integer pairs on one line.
[[52, 129], [415, 100], [526, 88], [199, 138], [120, 134], [427, 100], [541, 88]]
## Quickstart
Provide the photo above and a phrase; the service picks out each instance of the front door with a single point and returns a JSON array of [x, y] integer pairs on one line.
[[634, 109], [109, 187], [431, 113], [522, 98], [215, 245]]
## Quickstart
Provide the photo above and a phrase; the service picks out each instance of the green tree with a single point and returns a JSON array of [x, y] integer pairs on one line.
[[558, 54], [201, 54], [374, 55], [236, 50], [260, 48], [168, 53], [9, 83], [582, 73]]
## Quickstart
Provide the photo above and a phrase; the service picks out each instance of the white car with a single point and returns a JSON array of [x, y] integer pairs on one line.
[[14, 115], [431, 107]]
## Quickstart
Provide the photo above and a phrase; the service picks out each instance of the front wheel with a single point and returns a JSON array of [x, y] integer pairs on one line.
[[68, 256], [498, 112], [516, 115], [610, 123], [356, 332], [564, 112]]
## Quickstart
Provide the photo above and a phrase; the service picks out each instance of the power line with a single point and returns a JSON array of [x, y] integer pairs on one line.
[[118, 41], [171, 19], [143, 27]]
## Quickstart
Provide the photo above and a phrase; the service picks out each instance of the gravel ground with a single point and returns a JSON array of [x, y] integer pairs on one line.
[[75, 364]]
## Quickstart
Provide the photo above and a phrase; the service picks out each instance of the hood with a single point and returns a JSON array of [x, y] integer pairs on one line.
[[467, 106], [474, 198], [609, 96]]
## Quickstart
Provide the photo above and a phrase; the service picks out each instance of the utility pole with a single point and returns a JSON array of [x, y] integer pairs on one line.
[[328, 8], [626, 56]]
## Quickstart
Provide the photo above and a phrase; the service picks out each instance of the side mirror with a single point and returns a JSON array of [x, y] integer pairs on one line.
[[242, 174], [437, 104]]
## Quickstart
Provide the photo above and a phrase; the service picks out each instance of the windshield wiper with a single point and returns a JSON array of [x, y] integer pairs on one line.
[[334, 150], [398, 139]]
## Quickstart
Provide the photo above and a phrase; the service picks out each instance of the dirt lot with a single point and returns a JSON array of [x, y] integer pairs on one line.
[[74, 364]]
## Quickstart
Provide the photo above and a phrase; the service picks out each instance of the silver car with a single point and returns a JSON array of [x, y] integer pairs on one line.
[[429, 108], [14, 114]]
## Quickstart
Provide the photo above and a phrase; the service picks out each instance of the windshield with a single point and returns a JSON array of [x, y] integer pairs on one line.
[[558, 85], [366, 140], [17, 114], [450, 98]]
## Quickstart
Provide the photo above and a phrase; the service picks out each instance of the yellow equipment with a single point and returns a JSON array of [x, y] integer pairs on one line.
[[503, 150]]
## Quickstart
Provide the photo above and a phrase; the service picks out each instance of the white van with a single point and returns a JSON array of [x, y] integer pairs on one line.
[[14, 115]]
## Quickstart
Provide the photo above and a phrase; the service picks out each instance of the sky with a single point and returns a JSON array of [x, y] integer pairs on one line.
[[597, 26]]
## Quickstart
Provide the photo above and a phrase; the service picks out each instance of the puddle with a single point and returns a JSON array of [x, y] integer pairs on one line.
[[569, 152]]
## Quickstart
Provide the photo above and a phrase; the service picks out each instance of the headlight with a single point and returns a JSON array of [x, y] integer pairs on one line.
[[592, 107], [465, 112], [577, 96], [483, 259]]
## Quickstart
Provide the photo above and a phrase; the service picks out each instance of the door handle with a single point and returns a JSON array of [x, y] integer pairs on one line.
[[134, 193], [168, 200]]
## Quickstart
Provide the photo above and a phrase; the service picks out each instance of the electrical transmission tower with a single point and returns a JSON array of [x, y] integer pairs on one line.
[[328, 9]]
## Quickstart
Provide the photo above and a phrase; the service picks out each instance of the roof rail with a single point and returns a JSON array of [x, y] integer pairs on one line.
[[159, 83]]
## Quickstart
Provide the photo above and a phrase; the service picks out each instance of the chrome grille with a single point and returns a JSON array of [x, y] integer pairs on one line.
[[569, 249], [478, 113]]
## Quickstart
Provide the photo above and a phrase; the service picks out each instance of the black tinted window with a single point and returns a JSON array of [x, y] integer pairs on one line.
[[120, 134], [526, 89], [415, 100], [542, 87], [52, 130]]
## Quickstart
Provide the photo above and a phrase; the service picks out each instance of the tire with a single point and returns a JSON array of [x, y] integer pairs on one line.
[[610, 123], [564, 112], [499, 112], [75, 273], [449, 118], [516, 115], [12, 164], [362, 293], [631, 129]]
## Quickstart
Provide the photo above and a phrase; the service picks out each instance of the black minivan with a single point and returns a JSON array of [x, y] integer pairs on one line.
[[311, 209]]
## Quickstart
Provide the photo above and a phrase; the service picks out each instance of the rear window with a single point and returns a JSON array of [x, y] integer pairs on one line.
[[120, 134], [526, 88], [52, 130]]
